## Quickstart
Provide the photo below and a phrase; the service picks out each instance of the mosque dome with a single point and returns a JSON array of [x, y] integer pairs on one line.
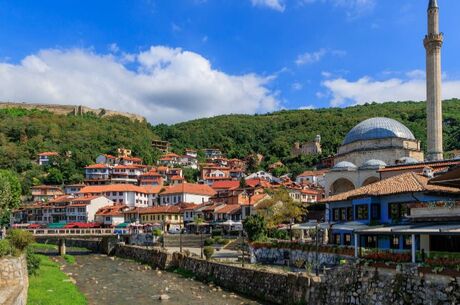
[[378, 128], [374, 163], [344, 166]]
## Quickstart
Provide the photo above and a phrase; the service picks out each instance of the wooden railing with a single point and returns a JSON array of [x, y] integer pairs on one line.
[[73, 232]]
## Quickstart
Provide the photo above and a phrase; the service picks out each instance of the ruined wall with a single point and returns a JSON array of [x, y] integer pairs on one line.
[[71, 109], [14, 280]]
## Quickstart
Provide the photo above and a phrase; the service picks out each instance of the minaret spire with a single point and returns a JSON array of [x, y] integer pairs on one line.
[[433, 43]]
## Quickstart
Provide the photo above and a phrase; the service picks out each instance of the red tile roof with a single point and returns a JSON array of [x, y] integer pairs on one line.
[[190, 188], [48, 154], [404, 183], [229, 209], [162, 209], [229, 184], [433, 165], [113, 188], [111, 210], [97, 166], [313, 173]]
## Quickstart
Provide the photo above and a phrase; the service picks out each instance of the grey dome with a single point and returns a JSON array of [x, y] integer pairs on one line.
[[408, 160], [343, 166], [374, 163], [378, 128]]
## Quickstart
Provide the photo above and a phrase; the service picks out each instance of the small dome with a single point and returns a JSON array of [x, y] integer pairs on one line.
[[344, 166], [378, 128], [374, 163], [408, 160]]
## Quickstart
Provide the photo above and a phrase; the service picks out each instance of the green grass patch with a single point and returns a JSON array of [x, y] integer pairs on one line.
[[37, 246], [52, 287], [70, 259], [182, 272]]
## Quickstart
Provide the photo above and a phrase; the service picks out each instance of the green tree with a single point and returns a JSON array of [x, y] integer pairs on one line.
[[255, 226], [10, 194], [282, 209], [54, 176]]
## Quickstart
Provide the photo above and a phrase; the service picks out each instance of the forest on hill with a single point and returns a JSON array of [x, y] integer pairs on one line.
[[273, 134], [25, 133]]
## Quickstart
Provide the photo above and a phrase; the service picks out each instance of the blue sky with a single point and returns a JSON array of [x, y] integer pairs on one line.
[[174, 60]]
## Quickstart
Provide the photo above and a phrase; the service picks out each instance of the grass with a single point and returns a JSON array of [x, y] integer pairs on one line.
[[37, 246], [70, 259], [52, 287]]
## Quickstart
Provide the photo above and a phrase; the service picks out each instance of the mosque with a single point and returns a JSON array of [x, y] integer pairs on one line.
[[379, 142]]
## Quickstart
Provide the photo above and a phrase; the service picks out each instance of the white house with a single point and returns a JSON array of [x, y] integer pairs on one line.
[[186, 192], [126, 174], [83, 209], [128, 194], [111, 215], [72, 189], [44, 158], [315, 177]]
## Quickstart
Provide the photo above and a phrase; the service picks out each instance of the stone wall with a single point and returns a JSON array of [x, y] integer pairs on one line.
[[350, 284], [277, 256], [154, 257], [94, 245], [14, 280]]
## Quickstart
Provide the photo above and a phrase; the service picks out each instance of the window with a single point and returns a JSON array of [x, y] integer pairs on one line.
[[398, 210], [375, 211], [394, 242], [407, 242], [335, 214], [350, 213], [347, 239], [337, 239], [120, 193], [371, 241], [343, 214], [362, 212]]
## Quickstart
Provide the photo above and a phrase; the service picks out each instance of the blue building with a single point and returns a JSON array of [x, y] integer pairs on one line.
[[404, 212]]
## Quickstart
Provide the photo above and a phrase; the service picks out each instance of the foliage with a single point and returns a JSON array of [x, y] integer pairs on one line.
[[49, 276], [279, 234], [255, 226], [25, 133], [33, 262], [20, 239], [273, 134], [190, 174], [157, 232], [385, 256], [5, 248], [282, 209], [70, 259], [10, 194], [208, 252], [209, 242]]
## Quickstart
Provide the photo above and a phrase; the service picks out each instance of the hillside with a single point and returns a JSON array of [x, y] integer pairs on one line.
[[273, 134], [24, 133]]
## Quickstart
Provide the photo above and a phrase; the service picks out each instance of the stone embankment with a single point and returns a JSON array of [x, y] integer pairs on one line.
[[14, 280], [349, 284]]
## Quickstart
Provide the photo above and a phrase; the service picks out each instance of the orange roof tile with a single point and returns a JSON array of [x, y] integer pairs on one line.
[[97, 166], [48, 154], [190, 188], [229, 209], [111, 210], [112, 188], [404, 183], [228, 184], [314, 173]]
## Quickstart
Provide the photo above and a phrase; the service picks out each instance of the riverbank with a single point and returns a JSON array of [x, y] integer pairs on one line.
[[51, 286]]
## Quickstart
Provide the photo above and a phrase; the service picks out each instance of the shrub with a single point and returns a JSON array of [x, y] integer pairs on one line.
[[33, 262], [216, 233], [5, 248], [209, 242], [281, 234], [157, 232], [208, 252], [20, 239]]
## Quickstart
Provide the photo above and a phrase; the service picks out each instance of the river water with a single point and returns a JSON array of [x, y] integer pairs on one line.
[[115, 281]]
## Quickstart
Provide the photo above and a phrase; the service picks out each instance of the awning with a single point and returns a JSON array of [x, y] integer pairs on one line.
[[428, 228], [349, 226], [56, 225], [122, 225]]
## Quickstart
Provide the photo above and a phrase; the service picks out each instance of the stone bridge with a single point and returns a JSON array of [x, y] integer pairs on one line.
[[104, 236]]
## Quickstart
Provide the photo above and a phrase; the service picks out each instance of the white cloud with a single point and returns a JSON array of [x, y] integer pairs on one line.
[[307, 107], [310, 57], [277, 5], [353, 8], [313, 57], [366, 90], [296, 86], [163, 84]]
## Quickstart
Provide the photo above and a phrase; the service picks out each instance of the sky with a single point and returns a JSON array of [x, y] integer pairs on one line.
[[177, 60]]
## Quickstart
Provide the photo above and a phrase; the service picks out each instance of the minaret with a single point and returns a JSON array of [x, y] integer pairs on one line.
[[433, 43]]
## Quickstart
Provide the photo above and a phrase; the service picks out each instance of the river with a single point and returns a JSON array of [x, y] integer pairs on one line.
[[115, 281]]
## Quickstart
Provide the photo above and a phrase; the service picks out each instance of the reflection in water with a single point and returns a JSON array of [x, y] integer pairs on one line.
[[114, 281]]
